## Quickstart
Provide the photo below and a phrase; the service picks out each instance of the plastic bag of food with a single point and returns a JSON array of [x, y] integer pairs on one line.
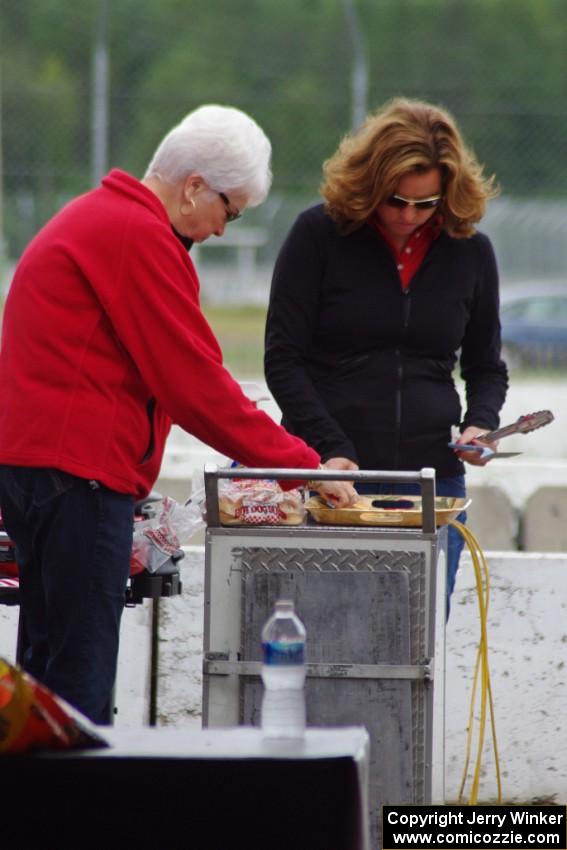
[[33, 718], [160, 537], [259, 501]]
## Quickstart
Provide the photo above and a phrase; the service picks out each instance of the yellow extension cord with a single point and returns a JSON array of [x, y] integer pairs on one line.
[[481, 666]]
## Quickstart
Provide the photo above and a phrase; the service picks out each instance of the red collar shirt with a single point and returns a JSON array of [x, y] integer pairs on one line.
[[409, 258]]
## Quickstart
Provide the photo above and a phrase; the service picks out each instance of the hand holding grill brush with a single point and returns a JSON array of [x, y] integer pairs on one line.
[[475, 449], [485, 443]]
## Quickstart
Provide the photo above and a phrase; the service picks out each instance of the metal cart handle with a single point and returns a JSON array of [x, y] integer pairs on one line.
[[425, 478]]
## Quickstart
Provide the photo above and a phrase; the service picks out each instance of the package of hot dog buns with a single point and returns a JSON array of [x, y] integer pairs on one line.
[[246, 501]]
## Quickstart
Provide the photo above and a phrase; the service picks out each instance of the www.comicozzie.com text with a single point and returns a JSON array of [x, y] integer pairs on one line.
[[461, 827]]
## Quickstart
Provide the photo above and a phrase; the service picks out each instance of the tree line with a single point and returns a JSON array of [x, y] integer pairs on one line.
[[499, 65]]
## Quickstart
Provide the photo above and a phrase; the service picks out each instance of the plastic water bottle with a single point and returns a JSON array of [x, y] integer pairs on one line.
[[283, 673]]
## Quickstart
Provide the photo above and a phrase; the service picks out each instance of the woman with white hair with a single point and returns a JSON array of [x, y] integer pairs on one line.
[[104, 346], [208, 169]]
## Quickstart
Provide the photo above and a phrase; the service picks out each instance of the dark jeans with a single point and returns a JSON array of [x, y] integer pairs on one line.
[[73, 540], [443, 487]]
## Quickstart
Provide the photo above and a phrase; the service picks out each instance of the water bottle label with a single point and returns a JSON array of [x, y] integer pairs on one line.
[[276, 652]]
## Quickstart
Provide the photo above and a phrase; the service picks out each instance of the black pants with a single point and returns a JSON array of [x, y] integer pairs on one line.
[[73, 540]]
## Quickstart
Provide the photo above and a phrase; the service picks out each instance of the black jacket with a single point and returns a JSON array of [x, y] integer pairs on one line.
[[362, 368]]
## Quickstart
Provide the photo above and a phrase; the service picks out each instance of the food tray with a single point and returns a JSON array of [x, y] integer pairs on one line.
[[382, 509]]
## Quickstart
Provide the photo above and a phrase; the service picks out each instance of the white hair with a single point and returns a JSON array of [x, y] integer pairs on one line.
[[222, 144]]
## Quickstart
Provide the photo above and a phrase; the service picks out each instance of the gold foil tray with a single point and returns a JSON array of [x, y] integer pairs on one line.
[[370, 510]]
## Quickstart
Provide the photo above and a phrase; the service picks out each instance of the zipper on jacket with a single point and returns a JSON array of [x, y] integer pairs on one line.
[[151, 406], [406, 308], [406, 304]]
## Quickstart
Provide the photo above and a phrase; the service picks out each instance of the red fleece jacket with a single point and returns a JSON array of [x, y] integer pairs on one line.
[[104, 345]]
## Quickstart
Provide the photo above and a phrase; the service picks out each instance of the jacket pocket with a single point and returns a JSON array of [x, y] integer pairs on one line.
[[35, 485], [150, 411]]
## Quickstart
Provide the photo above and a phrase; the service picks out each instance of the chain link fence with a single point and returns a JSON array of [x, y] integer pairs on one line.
[[97, 83]]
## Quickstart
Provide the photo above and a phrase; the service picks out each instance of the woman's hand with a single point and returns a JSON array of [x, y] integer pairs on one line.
[[472, 435], [340, 494], [340, 463]]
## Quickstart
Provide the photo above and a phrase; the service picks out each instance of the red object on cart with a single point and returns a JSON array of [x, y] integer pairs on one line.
[[8, 566], [142, 585]]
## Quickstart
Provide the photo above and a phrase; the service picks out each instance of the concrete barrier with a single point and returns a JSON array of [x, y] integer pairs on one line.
[[492, 518], [544, 524], [177, 488], [527, 635], [527, 638]]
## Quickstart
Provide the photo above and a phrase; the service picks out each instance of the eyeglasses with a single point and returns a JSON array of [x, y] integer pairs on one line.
[[231, 214], [399, 202]]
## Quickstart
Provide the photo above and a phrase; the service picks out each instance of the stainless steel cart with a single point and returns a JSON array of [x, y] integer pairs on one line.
[[373, 602]]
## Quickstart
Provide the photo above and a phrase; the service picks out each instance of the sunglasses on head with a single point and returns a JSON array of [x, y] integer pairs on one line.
[[231, 214], [401, 203]]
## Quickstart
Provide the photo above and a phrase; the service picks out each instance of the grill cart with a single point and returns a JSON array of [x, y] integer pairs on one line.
[[372, 598]]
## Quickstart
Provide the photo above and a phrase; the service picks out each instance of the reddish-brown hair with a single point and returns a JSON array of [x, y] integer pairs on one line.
[[404, 137]]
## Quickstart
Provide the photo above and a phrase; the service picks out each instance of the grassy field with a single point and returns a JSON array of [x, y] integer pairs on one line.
[[240, 332]]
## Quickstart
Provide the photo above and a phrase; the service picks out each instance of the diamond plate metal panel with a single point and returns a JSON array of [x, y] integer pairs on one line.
[[239, 562], [268, 559], [278, 559]]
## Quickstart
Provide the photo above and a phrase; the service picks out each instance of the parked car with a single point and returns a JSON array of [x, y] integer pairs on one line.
[[534, 325]]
